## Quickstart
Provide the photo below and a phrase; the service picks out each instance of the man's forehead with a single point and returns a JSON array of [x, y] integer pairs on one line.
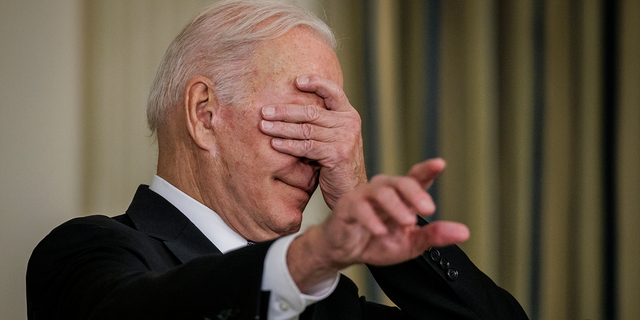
[[298, 52]]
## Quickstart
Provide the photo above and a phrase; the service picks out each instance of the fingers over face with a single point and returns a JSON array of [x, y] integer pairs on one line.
[[331, 92], [311, 122], [299, 131], [310, 149], [298, 114]]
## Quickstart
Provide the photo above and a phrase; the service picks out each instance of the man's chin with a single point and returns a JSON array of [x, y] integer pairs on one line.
[[289, 222], [282, 230], [290, 230]]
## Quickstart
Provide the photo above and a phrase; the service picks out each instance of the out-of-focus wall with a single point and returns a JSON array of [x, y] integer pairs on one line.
[[40, 135]]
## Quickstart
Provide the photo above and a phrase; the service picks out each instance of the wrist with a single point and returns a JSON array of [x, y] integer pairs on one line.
[[309, 261]]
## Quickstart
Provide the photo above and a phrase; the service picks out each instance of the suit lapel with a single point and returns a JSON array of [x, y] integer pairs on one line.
[[155, 216], [190, 244]]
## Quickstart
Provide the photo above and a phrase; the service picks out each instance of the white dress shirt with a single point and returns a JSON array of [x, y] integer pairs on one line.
[[286, 302]]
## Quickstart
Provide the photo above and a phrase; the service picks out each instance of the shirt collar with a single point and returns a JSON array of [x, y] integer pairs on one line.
[[205, 219]]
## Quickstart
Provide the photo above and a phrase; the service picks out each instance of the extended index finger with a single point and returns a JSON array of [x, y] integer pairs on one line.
[[333, 95], [425, 172]]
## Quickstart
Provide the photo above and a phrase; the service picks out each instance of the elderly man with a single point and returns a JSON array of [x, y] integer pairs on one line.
[[250, 119]]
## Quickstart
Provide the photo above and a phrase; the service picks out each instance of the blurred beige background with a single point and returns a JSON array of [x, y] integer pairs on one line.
[[519, 89]]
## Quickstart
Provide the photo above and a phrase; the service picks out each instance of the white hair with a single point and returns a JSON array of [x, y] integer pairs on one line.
[[219, 44]]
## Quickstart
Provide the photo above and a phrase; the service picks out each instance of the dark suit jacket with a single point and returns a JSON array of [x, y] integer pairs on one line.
[[153, 263]]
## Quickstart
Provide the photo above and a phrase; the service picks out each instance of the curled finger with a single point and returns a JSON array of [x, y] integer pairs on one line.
[[390, 202], [367, 216], [414, 195], [331, 92]]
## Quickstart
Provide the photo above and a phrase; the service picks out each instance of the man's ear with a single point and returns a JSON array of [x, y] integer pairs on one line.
[[200, 109]]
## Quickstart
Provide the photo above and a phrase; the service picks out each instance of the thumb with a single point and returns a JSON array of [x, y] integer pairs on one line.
[[443, 233]]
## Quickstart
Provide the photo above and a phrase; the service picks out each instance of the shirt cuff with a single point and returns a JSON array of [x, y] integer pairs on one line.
[[286, 301]]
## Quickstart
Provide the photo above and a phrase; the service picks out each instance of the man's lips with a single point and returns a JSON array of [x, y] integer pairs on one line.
[[307, 186]]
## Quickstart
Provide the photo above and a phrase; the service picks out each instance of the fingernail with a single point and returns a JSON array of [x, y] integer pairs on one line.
[[426, 206], [303, 80], [267, 124], [276, 141], [268, 111]]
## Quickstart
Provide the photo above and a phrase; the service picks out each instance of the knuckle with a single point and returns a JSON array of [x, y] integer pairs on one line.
[[306, 130], [281, 111], [341, 152], [307, 145], [351, 123], [311, 112], [339, 92], [357, 122]]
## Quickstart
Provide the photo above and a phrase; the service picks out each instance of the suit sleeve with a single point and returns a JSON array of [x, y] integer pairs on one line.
[[97, 271], [444, 284]]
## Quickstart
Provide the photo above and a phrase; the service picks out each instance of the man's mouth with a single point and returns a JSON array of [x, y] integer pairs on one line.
[[308, 186]]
